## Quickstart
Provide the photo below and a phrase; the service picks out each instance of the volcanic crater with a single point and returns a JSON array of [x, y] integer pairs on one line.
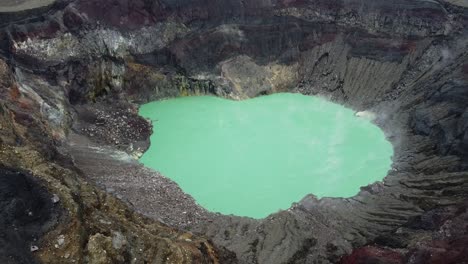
[[74, 72]]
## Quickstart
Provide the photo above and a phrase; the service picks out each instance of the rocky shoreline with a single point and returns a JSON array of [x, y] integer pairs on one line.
[[72, 79]]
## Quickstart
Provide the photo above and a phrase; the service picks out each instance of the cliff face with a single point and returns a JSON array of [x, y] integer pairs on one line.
[[49, 213], [75, 71]]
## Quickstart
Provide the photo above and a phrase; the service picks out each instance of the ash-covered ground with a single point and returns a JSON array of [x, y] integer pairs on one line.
[[73, 75]]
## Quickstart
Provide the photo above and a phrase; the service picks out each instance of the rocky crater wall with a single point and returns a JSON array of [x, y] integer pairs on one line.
[[78, 71]]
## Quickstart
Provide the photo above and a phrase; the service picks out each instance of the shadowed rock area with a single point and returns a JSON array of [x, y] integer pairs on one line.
[[74, 73], [27, 211]]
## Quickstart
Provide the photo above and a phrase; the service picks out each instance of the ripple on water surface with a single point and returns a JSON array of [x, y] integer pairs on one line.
[[254, 157]]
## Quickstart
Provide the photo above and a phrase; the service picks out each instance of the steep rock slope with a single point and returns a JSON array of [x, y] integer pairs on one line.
[[86, 63], [50, 214]]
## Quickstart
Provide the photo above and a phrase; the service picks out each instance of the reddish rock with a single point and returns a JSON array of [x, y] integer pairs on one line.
[[441, 252], [373, 255], [125, 14]]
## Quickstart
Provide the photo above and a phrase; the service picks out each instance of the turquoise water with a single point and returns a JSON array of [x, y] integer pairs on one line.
[[255, 157]]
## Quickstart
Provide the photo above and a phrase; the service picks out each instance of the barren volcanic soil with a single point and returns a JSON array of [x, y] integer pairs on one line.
[[73, 74]]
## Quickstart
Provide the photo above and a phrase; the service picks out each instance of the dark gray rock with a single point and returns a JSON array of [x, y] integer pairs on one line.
[[403, 61], [26, 213]]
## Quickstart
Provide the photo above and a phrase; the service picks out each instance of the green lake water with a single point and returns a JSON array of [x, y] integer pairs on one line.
[[255, 157]]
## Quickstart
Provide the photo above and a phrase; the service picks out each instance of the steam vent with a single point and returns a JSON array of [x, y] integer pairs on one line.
[[234, 131]]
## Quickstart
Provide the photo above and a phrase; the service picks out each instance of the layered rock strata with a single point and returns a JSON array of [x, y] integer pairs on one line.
[[79, 69]]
